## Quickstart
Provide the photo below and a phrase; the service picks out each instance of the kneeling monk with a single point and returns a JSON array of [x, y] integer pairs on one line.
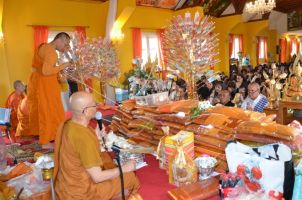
[[79, 169]]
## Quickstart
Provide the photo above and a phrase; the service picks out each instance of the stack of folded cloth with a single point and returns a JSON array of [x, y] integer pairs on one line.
[[212, 129], [142, 124]]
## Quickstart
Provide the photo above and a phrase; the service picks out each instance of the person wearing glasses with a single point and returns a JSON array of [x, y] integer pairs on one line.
[[81, 172], [255, 101], [44, 92]]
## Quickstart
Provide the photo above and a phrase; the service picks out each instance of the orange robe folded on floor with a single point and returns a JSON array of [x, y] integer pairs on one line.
[[76, 149], [46, 111], [13, 102], [23, 119]]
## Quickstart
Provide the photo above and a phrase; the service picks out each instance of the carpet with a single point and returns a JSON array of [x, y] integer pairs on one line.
[[155, 181]]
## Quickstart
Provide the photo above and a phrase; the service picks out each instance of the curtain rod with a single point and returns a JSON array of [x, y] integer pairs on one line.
[[56, 25], [146, 28]]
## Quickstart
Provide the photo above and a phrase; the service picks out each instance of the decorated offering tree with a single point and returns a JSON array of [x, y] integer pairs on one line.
[[190, 47], [94, 58]]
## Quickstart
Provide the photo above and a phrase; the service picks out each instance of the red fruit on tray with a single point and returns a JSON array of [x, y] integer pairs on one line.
[[257, 174], [241, 169]]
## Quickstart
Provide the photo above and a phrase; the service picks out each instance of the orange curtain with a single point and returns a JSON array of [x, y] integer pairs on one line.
[[231, 42], [298, 46], [162, 53], [265, 49], [241, 47], [282, 55], [81, 31], [291, 43], [40, 35], [258, 49], [137, 42]]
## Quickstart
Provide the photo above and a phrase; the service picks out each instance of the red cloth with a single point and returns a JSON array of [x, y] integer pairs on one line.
[[282, 55], [137, 42], [231, 41], [40, 35]]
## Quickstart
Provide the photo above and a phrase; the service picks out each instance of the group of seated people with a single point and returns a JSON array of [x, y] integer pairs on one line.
[[245, 88]]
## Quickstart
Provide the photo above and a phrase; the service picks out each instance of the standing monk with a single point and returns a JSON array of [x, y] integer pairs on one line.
[[44, 98], [80, 171], [13, 102]]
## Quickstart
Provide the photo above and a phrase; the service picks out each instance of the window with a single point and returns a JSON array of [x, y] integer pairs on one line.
[[236, 47], [149, 47], [261, 48], [294, 44]]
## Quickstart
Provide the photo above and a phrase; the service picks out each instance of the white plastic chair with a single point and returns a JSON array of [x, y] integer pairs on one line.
[[5, 121]]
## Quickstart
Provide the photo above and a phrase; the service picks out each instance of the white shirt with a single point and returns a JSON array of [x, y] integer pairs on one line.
[[249, 102]]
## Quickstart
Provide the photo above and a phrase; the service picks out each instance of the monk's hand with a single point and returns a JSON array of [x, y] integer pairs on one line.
[[129, 166]]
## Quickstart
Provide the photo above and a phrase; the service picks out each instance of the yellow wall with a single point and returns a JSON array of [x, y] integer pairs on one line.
[[18, 14], [4, 81]]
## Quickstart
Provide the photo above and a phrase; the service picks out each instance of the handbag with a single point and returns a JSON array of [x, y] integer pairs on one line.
[[269, 167]]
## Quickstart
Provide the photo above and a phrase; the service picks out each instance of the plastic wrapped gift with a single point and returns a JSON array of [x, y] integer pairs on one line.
[[187, 139], [182, 169], [153, 99], [161, 147]]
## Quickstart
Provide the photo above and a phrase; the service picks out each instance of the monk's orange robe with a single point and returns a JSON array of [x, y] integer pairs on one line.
[[76, 149], [46, 111], [13, 102], [23, 119]]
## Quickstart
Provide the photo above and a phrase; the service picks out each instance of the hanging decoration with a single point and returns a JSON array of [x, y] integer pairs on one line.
[[94, 58], [191, 47]]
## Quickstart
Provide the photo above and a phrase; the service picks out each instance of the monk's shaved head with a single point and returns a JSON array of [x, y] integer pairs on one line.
[[80, 100]]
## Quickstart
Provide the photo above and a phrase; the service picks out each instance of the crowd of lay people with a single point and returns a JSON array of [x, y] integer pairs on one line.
[[245, 88]]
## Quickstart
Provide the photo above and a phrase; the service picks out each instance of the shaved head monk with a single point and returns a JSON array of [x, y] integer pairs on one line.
[[13, 101], [79, 168], [46, 111]]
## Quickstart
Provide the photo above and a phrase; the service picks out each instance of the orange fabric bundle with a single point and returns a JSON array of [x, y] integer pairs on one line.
[[219, 121], [174, 118], [124, 114], [210, 140], [207, 145], [141, 124], [212, 132], [137, 112], [148, 109], [269, 129], [18, 170], [178, 106], [237, 113], [216, 154]]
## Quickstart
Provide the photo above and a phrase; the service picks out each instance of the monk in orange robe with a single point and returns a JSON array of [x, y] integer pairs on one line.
[[80, 171], [46, 111], [23, 119], [13, 102]]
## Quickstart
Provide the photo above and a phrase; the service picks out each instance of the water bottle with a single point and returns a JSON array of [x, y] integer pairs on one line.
[[3, 162]]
